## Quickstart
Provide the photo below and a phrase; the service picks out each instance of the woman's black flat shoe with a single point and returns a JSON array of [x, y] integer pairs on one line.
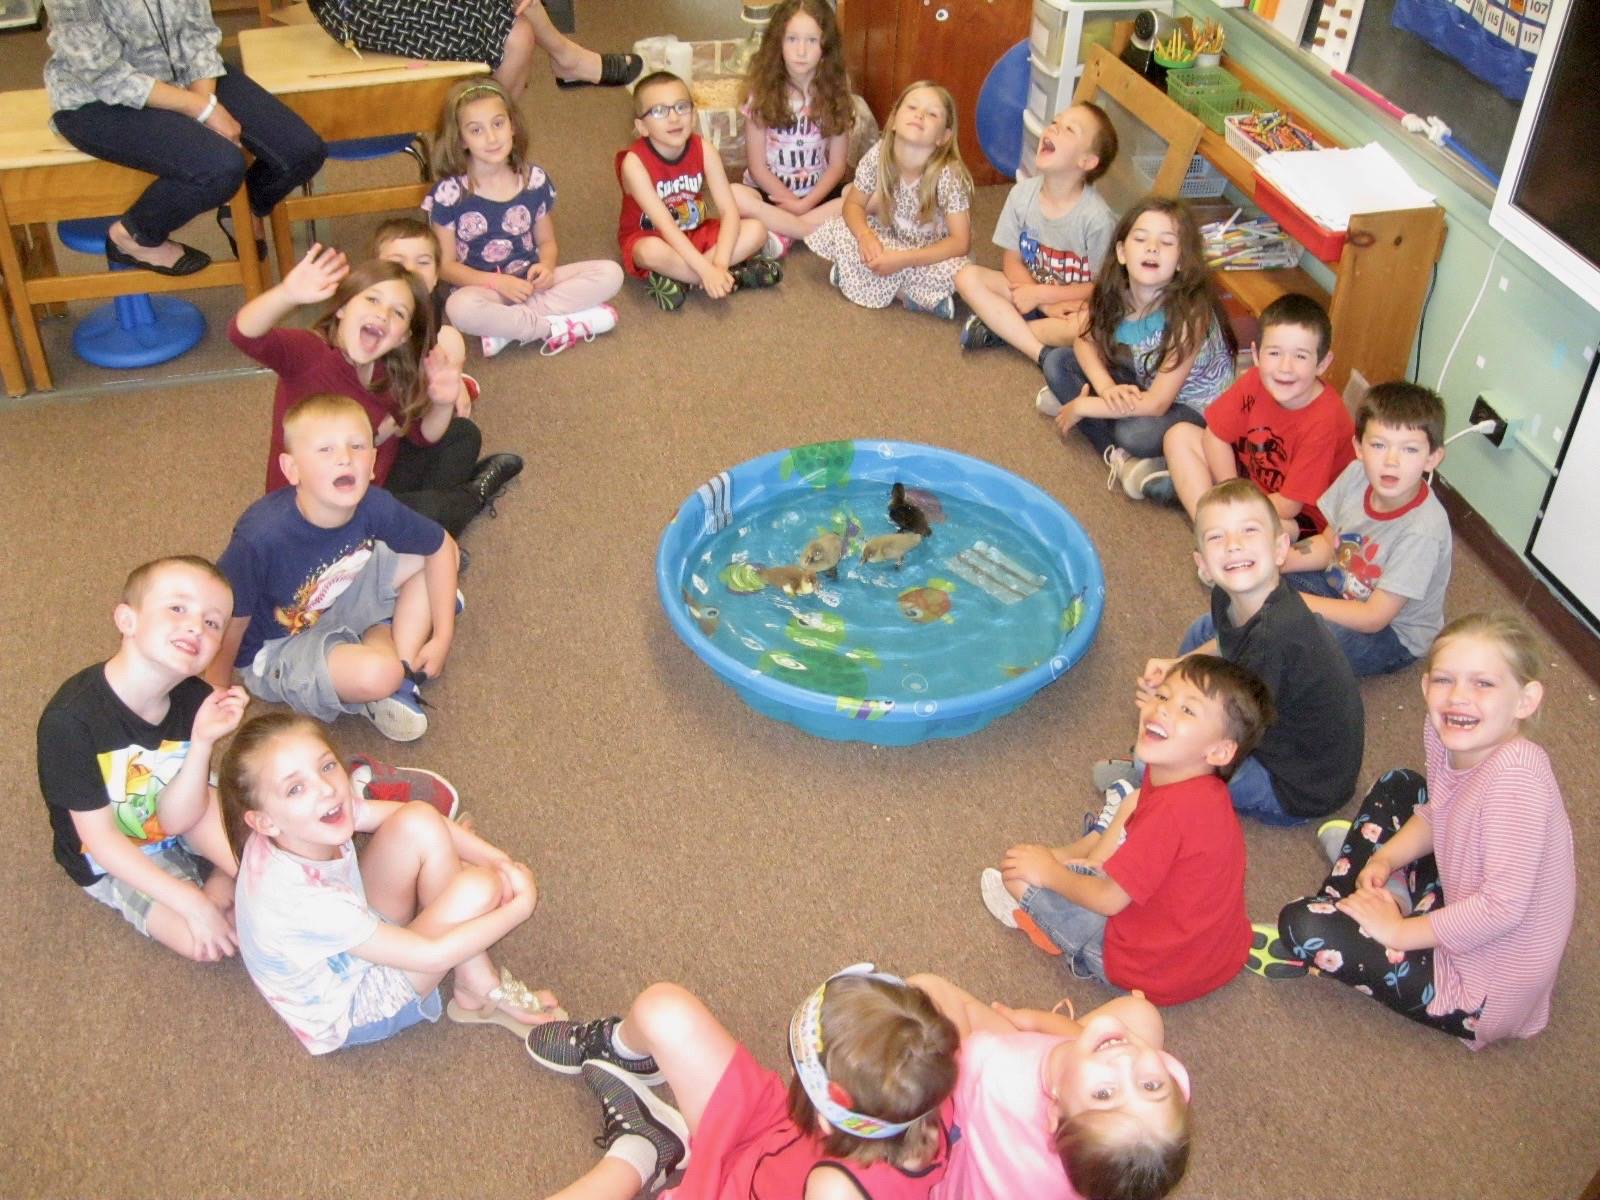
[[193, 260], [616, 70], [225, 223]]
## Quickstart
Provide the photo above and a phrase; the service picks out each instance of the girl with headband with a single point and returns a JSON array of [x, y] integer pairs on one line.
[[874, 1062]]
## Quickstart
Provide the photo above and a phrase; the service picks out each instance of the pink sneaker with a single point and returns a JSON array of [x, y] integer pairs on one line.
[[375, 780], [777, 245], [582, 326]]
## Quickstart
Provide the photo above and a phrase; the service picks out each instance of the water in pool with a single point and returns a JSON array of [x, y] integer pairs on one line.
[[974, 604]]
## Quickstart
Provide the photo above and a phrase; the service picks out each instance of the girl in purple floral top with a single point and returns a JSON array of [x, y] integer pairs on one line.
[[491, 210]]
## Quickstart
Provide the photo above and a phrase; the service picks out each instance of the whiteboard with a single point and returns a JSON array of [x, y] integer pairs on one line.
[[1564, 545]]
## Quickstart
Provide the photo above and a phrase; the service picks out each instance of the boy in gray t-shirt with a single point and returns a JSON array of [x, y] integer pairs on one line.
[[1378, 573], [1055, 231]]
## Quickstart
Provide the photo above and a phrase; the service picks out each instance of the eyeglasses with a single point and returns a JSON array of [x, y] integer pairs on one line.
[[659, 111]]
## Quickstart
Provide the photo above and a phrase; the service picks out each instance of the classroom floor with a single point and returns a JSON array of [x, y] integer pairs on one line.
[[676, 834]]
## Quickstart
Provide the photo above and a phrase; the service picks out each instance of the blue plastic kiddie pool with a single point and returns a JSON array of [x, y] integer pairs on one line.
[[1000, 599]]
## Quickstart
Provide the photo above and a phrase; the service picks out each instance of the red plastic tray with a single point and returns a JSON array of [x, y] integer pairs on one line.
[[1326, 244]]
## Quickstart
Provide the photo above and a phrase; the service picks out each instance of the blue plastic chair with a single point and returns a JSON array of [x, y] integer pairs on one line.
[[1001, 101], [132, 331]]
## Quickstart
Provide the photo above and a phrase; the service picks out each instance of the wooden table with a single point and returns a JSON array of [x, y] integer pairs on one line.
[[344, 95], [43, 179]]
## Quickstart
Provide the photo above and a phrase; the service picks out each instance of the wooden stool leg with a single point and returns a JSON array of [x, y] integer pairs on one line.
[[282, 241], [17, 289], [11, 373], [249, 260]]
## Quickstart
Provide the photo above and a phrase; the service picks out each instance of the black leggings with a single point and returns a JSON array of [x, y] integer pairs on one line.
[[430, 479], [1314, 930]]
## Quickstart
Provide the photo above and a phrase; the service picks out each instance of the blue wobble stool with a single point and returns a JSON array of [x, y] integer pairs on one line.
[[366, 149], [132, 331], [1001, 99]]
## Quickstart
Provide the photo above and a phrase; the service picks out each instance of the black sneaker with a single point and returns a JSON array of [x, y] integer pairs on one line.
[[489, 478], [630, 1107], [668, 293], [564, 1046], [757, 271], [975, 335]]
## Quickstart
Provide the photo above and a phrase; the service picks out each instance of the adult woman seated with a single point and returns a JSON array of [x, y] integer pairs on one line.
[[140, 83], [502, 33]]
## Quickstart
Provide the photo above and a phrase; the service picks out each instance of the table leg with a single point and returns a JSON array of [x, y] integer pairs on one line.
[[16, 382], [17, 289], [41, 258], [249, 260], [282, 241]]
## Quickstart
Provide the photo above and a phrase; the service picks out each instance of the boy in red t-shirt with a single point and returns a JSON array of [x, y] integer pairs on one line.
[[1279, 424], [666, 235], [1164, 913]]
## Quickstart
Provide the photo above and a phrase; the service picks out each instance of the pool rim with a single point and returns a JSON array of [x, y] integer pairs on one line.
[[823, 708]]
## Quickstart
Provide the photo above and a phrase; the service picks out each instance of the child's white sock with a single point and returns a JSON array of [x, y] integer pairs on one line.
[[638, 1153], [621, 1047]]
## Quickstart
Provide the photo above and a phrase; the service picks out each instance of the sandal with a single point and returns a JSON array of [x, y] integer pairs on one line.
[[191, 261], [1269, 957], [616, 70], [514, 994], [225, 223]]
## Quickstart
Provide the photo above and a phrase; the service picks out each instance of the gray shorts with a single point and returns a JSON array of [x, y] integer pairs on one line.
[[173, 857], [293, 670]]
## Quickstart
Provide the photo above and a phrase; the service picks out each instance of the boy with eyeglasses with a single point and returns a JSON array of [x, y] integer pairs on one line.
[[670, 178]]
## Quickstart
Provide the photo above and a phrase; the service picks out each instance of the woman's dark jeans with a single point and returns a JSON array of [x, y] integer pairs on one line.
[[197, 169]]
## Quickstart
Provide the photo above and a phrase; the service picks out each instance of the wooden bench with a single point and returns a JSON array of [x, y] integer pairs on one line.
[[43, 179], [344, 95]]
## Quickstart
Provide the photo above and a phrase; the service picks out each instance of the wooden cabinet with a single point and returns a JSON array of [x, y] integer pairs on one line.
[[1381, 279], [890, 44]]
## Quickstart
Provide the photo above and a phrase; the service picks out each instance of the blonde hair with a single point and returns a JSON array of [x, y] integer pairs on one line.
[[141, 577], [894, 1053], [322, 407], [450, 154], [239, 775], [1508, 633], [1238, 490], [1111, 1156], [947, 155]]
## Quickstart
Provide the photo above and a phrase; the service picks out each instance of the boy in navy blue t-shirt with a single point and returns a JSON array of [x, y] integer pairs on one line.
[[343, 598]]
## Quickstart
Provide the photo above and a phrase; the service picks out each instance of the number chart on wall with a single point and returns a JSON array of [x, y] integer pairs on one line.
[[1497, 40]]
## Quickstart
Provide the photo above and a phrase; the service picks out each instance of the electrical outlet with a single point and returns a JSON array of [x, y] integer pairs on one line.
[[1482, 410]]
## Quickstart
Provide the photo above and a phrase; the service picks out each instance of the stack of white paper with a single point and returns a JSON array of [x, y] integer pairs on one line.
[[1329, 185]]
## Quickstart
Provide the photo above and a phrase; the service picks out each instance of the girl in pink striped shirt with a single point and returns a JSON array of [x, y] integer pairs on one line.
[[1481, 851]]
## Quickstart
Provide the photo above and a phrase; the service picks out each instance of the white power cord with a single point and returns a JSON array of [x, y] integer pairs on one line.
[[1485, 427], [1471, 312]]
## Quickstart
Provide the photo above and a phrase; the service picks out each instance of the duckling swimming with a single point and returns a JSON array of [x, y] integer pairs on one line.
[[795, 581], [906, 516], [890, 547], [823, 552]]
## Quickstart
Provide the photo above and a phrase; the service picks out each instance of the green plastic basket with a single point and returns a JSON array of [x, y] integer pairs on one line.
[[1215, 110], [1187, 88]]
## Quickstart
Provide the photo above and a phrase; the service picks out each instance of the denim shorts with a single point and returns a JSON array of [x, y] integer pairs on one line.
[[385, 1003], [1080, 933], [172, 856]]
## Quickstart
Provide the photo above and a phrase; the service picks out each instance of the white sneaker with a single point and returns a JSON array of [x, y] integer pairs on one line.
[[1114, 457], [398, 717], [1046, 402], [582, 326], [493, 345]]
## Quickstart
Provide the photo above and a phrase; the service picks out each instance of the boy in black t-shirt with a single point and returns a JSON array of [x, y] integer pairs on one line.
[[124, 757], [1308, 759]]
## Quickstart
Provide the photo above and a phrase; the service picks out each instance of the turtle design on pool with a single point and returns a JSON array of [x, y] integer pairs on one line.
[[821, 464]]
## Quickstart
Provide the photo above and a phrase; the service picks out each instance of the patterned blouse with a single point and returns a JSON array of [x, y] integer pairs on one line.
[[114, 51]]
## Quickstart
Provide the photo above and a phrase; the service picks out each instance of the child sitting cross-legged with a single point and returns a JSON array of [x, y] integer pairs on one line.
[[1054, 232], [874, 1061], [492, 213], [1054, 1108], [124, 754], [1378, 573], [349, 947], [1279, 424], [1164, 911], [343, 599], [1308, 759], [668, 176]]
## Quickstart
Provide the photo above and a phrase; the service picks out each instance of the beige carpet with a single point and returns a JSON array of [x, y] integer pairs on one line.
[[675, 833]]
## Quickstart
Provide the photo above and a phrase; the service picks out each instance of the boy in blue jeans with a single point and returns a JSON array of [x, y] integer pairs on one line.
[[343, 598], [1164, 912], [1308, 759], [1378, 573]]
